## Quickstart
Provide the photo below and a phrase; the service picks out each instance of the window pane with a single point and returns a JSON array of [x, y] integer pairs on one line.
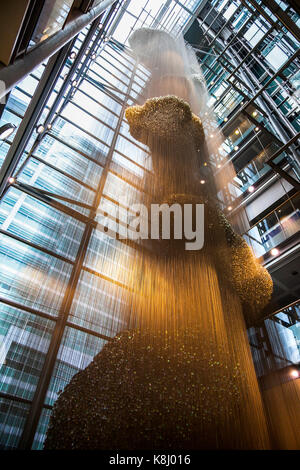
[[12, 421], [24, 342], [99, 305], [76, 352], [109, 256], [40, 224], [31, 277]]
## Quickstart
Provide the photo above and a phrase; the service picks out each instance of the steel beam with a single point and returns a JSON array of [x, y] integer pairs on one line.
[[280, 14], [250, 51], [32, 114], [77, 61], [284, 174], [14, 73]]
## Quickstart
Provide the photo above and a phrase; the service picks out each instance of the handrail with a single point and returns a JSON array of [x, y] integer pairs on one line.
[[281, 310], [272, 211]]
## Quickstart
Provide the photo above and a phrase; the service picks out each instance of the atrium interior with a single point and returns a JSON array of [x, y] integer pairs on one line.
[[70, 156]]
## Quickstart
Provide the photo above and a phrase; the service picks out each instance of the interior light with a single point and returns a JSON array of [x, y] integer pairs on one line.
[[6, 130], [251, 189], [274, 252], [40, 129], [295, 374]]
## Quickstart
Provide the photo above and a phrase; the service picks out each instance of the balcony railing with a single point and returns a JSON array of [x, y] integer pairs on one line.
[[279, 225], [275, 342]]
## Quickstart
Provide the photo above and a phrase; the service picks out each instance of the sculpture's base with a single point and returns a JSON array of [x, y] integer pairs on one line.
[[148, 390]]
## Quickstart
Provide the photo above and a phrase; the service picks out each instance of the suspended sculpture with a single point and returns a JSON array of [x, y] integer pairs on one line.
[[182, 377]]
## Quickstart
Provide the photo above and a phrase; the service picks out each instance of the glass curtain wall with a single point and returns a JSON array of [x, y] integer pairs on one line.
[[249, 52]]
